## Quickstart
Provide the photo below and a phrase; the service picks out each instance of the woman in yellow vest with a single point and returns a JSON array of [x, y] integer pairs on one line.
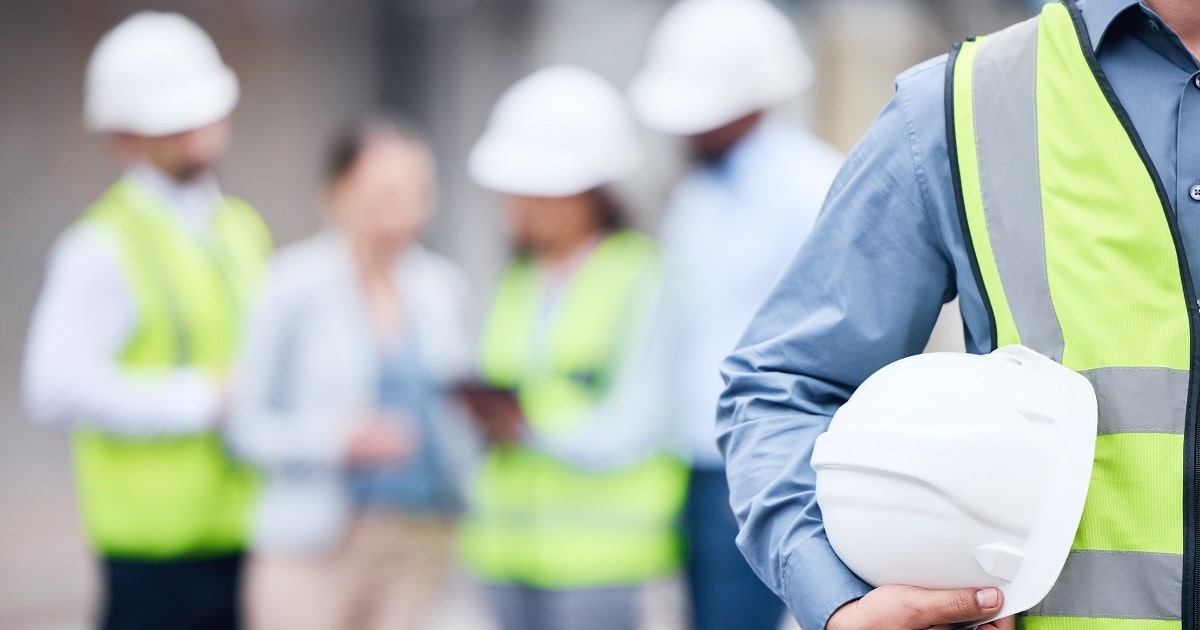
[[341, 400], [575, 504]]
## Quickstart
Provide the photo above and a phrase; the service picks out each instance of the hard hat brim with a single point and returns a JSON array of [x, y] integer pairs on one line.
[[503, 166], [680, 108], [189, 106]]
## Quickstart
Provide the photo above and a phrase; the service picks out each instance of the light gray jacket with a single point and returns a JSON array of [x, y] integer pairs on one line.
[[308, 366]]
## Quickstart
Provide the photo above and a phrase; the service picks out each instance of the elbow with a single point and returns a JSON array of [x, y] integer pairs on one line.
[[735, 399], [44, 405], [742, 377]]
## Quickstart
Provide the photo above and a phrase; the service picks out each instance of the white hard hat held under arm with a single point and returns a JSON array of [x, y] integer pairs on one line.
[[157, 74], [956, 471]]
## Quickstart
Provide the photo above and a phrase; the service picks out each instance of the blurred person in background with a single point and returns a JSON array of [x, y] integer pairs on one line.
[[714, 70], [576, 503], [341, 399], [137, 325]]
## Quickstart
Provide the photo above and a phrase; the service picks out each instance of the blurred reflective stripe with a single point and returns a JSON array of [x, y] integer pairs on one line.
[[1100, 584], [1140, 400], [151, 261], [964, 167], [1003, 90]]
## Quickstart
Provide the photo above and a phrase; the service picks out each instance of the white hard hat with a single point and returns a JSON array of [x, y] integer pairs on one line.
[[560, 131], [156, 74], [710, 62], [955, 471]]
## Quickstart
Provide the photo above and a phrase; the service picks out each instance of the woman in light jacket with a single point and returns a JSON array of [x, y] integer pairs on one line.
[[341, 400]]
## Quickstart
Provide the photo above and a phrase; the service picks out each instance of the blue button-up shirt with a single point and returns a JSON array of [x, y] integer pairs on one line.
[[757, 203], [867, 286]]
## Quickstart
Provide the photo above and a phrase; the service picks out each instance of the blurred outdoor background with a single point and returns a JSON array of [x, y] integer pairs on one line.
[[305, 66]]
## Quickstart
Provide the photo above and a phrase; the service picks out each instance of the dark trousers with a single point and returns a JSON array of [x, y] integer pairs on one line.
[[725, 593], [193, 594]]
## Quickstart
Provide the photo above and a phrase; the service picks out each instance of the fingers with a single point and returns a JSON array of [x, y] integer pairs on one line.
[[927, 608], [914, 608]]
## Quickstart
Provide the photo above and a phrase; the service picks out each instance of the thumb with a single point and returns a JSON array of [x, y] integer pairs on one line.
[[954, 606]]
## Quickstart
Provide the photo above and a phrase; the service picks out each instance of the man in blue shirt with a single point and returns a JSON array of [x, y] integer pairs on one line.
[[754, 192], [867, 286]]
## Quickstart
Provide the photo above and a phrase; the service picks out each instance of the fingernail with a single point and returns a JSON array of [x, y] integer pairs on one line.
[[987, 598]]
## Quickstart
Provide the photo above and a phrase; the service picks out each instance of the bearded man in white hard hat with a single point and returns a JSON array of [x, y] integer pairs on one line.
[[137, 325], [714, 71]]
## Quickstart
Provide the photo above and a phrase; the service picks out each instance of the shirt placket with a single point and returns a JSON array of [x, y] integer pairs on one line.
[[1187, 165]]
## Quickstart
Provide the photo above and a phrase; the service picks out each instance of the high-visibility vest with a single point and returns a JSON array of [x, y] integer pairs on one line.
[[169, 497], [535, 519], [1077, 255]]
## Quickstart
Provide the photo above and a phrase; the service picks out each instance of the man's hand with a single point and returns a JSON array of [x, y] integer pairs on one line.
[[912, 608]]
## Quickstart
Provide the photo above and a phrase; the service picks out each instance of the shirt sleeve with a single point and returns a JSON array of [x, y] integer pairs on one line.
[[72, 371], [863, 291], [267, 427]]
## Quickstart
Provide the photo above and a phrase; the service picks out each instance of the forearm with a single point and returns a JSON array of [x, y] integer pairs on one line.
[[274, 422], [772, 495], [611, 437], [862, 292], [276, 439], [115, 401]]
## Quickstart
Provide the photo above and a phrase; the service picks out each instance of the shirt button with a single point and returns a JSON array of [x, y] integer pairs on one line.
[[1196, 81], [1195, 192]]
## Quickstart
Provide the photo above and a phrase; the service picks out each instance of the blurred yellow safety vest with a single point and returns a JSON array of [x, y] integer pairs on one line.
[[535, 519], [170, 497], [1077, 255]]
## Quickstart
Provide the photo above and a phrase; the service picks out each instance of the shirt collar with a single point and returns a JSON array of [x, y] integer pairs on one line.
[[1098, 16], [1110, 20], [193, 202], [734, 161], [171, 190]]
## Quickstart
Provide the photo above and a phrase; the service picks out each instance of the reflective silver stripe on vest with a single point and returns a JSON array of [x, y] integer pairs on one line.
[[1006, 143], [1140, 400], [1116, 584]]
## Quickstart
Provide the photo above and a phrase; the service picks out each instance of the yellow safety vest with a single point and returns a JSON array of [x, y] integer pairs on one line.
[[1077, 255], [168, 497], [535, 519]]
